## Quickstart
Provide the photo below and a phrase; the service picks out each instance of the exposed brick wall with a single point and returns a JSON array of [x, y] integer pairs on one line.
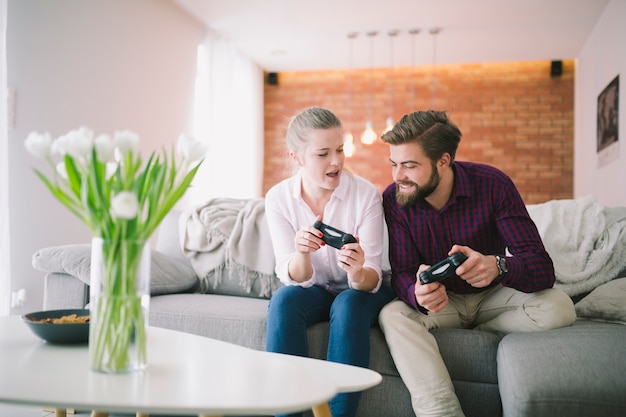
[[514, 116]]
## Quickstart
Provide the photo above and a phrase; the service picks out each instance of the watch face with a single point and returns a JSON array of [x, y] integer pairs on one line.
[[502, 264]]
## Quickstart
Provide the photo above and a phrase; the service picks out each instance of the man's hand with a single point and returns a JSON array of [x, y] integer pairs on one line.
[[478, 270], [433, 297]]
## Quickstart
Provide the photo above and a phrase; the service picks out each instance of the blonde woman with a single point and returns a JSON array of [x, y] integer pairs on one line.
[[343, 286]]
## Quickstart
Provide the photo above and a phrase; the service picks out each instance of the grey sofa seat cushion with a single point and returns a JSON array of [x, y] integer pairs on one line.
[[239, 320], [469, 354], [574, 371]]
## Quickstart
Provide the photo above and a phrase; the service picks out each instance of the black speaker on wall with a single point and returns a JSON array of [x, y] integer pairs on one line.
[[556, 68], [272, 78]]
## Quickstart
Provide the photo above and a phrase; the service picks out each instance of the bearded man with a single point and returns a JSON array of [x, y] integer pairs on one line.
[[437, 207]]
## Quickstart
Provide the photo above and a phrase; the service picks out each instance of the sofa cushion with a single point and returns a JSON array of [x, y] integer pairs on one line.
[[238, 320], [469, 354], [572, 371], [236, 281], [167, 276], [605, 303]]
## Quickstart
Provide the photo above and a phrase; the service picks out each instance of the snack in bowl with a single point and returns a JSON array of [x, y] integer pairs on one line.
[[60, 326], [70, 319]]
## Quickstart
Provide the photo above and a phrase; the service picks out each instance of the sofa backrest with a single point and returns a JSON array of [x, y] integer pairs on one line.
[[168, 242], [168, 238]]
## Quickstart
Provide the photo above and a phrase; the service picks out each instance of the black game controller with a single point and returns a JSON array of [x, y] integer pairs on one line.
[[443, 269], [333, 237]]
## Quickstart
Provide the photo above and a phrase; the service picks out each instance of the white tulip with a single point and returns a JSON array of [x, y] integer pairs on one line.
[[58, 146], [126, 141], [62, 170], [190, 149], [39, 145], [104, 147], [78, 143], [125, 205], [110, 170]]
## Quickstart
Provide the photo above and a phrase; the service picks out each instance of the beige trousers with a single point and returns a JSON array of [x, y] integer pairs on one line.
[[500, 310]]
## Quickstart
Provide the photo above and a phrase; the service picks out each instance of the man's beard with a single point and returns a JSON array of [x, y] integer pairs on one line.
[[419, 193]]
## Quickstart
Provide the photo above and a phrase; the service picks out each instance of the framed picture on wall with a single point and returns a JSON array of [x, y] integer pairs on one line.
[[608, 118]]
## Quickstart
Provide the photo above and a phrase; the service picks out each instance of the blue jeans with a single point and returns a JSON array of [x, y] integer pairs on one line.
[[351, 314]]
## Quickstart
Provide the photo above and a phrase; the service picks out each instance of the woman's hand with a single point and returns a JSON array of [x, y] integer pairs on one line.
[[308, 239], [351, 259]]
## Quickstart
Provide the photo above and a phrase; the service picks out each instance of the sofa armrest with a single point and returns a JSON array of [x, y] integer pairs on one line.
[[167, 276], [63, 291]]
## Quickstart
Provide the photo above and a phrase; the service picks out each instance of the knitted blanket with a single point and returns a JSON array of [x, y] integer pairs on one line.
[[586, 241], [227, 233]]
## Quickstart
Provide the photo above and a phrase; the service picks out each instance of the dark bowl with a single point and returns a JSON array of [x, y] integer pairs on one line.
[[58, 332]]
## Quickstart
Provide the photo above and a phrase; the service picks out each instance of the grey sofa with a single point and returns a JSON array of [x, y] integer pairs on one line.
[[574, 371]]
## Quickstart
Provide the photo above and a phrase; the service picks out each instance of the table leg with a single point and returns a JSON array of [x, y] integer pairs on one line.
[[321, 410], [142, 414], [95, 413], [60, 412]]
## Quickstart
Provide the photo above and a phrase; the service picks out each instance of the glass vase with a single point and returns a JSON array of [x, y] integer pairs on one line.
[[119, 301]]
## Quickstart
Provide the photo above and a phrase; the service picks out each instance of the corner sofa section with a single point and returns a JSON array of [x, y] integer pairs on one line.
[[579, 370]]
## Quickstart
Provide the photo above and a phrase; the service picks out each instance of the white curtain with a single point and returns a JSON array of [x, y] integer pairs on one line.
[[229, 117], [5, 276]]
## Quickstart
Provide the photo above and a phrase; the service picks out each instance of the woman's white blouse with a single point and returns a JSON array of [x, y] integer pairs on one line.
[[355, 207]]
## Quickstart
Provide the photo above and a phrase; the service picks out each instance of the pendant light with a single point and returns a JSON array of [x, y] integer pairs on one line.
[[392, 34], [348, 139], [413, 33], [369, 136], [434, 31]]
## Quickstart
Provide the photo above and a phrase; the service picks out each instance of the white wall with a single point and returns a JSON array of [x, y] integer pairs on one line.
[[602, 58], [5, 263], [106, 64]]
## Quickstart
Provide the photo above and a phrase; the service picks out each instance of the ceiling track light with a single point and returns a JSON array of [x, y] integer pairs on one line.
[[348, 139], [369, 136], [434, 31], [389, 122], [413, 33]]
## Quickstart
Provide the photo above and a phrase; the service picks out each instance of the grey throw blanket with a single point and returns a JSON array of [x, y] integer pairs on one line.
[[586, 241], [229, 233]]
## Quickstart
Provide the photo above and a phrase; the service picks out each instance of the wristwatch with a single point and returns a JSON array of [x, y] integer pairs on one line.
[[502, 268]]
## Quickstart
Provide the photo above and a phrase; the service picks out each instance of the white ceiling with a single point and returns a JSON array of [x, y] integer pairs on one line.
[[294, 35]]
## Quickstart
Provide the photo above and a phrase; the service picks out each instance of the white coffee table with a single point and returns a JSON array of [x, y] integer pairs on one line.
[[187, 374]]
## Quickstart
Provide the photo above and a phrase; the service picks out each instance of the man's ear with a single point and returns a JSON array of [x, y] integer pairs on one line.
[[444, 161]]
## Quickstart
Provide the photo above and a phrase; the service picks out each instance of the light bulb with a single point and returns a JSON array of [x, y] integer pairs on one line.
[[369, 136], [389, 125], [348, 144]]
